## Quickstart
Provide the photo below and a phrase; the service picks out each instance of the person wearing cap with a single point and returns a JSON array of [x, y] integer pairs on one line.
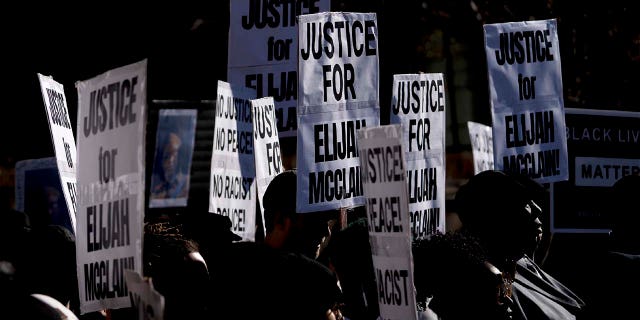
[[501, 211]]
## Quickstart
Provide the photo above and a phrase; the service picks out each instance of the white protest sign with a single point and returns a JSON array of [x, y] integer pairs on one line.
[[55, 104], [144, 297], [385, 189], [481, 137], [338, 94], [418, 105], [232, 189], [268, 161], [525, 82], [262, 52], [112, 115]]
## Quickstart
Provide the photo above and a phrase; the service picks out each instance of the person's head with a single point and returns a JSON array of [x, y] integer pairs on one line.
[[170, 156], [212, 232], [285, 227], [453, 270], [57, 244], [177, 270], [502, 213], [350, 256]]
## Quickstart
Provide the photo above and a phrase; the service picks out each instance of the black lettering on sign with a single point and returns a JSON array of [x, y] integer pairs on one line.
[[393, 287], [237, 217], [107, 165], [419, 96], [273, 158], [607, 171], [73, 195], [276, 13], [286, 89], [286, 121], [539, 129], [262, 121], [57, 109], [524, 46], [534, 165], [105, 279], [424, 222], [336, 141], [108, 229], [483, 142], [322, 38], [526, 87], [220, 141], [384, 164], [419, 132], [239, 141], [67, 153], [328, 185], [423, 185], [385, 214], [278, 49], [233, 108], [111, 107], [340, 79], [237, 187]]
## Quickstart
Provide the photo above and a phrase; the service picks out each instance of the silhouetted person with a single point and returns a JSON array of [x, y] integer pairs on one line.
[[613, 280], [276, 279], [178, 272], [350, 256], [212, 232], [287, 229], [452, 273], [501, 211], [52, 270]]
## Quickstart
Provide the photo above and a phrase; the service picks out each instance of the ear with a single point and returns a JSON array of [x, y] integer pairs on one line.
[[287, 224]]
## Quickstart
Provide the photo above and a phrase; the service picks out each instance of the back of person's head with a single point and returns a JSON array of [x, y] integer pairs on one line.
[[15, 230], [279, 200], [53, 269], [625, 218], [212, 232], [349, 253], [453, 270], [178, 273], [501, 212], [296, 232]]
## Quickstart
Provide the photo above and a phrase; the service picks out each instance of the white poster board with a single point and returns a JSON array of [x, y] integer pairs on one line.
[[525, 83], [268, 161], [338, 94], [385, 188], [55, 104], [144, 297], [481, 137], [112, 115], [263, 40], [232, 188], [418, 105]]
